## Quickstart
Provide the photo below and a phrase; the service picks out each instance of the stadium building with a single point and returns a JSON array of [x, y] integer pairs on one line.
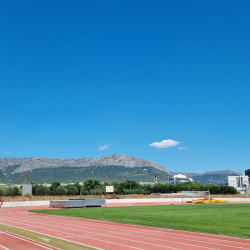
[[179, 178]]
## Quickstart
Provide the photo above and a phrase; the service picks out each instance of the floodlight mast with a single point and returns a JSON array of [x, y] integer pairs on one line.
[[24, 174]]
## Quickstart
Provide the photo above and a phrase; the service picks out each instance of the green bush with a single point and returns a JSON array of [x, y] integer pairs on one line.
[[54, 186], [72, 190], [42, 190], [12, 191], [60, 190], [91, 184]]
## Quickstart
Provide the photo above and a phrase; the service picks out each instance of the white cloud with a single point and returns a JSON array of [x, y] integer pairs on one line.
[[104, 147], [164, 144], [7, 152], [181, 148]]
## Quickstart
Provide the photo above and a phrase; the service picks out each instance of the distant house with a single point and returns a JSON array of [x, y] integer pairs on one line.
[[178, 178]]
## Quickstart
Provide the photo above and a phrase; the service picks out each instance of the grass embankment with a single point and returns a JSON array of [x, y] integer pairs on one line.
[[222, 219], [61, 244]]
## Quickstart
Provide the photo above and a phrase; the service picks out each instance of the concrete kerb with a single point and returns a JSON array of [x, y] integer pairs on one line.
[[117, 201]]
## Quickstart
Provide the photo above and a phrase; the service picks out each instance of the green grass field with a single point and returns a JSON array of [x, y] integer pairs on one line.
[[222, 219]]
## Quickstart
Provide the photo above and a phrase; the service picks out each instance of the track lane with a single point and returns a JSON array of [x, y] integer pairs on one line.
[[107, 235], [10, 241]]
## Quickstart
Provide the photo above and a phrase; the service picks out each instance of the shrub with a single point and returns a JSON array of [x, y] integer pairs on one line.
[[91, 184], [72, 190], [9, 191], [42, 190], [17, 191], [60, 190], [54, 186]]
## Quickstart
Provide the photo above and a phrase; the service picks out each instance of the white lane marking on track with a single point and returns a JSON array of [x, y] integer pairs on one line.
[[212, 243], [61, 238], [165, 236], [28, 241], [77, 235], [172, 241], [142, 227], [4, 247], [153, 244], [161, 240], [162, 230]]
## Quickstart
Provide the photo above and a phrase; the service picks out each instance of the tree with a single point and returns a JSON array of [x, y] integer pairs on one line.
[[53, 186], [60, 190], [91, 183], [42, 190], [72, 190], [34, 188], [78, 186]]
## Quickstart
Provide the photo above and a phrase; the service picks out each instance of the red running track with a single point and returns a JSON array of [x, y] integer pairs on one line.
[[107, 235], [9, 241]]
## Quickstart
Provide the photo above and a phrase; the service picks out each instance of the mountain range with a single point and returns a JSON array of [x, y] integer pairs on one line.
[[116, 167]]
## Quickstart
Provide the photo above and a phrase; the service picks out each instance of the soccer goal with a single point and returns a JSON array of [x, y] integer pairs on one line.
[[196, 196]]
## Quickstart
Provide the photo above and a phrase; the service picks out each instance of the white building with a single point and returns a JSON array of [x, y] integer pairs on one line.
[[178, 178], [239, 182]]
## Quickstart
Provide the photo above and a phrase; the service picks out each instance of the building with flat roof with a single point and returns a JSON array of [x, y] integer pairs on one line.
[[240, 183], [179, 178]]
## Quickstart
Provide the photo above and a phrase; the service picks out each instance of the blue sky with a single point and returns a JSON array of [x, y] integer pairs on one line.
[[93, 78]]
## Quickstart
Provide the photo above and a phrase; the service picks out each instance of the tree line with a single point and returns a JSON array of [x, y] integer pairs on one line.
[[93, 186]]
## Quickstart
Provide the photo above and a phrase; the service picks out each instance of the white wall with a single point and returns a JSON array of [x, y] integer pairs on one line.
[[124, 201]]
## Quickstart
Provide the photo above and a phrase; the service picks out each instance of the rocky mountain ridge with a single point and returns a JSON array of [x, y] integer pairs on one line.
[[32, 163], [116, 167]]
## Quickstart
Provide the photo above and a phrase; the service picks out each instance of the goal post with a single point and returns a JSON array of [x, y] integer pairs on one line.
[[195, 194]]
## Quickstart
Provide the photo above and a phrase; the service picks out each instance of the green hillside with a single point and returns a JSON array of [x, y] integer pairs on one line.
[[66, 174], [212, 178]]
